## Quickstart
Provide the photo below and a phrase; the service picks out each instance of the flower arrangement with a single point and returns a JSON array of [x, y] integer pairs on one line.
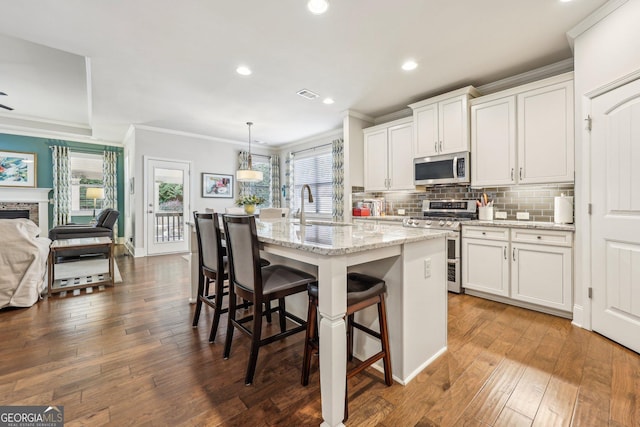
[[250, 199]]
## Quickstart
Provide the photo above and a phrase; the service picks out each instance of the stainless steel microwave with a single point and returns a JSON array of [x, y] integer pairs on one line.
[[442, 169]]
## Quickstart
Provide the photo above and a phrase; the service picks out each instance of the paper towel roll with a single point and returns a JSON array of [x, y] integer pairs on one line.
[[563, 210]]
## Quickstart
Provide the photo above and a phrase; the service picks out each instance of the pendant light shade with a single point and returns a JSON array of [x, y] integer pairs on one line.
[[249, 175]]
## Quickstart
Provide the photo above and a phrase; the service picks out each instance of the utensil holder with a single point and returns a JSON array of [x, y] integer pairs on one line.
[[485, 213]]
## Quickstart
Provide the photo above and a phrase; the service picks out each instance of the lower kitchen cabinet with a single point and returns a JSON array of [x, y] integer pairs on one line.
[[526, 267], [485, 260]]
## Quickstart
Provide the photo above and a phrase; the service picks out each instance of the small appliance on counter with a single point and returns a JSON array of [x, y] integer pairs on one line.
[[376, 206], [563, 209]]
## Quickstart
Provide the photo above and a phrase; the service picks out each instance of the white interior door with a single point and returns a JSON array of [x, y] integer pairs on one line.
[[615, 223], [167, 206]]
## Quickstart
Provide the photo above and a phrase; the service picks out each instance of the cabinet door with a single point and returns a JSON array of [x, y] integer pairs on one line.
[[485, 266], [545, 134], [453, 125], [542, 275], [426, 140], [400, 157], [375, 160], [493, 142]]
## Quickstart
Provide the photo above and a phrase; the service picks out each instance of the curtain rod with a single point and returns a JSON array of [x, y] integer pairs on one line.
[[88, 150], [312, 148]]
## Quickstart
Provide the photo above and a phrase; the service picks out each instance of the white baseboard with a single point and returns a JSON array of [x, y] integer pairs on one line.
[[578, 316]]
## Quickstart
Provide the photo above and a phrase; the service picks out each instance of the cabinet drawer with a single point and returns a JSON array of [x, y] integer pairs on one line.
[[547, 237], [491, 233]]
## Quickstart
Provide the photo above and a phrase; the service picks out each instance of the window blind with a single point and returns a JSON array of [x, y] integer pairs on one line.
[[315, 170]]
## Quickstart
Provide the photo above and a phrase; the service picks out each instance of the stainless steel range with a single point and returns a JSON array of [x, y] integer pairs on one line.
[[447, 215]]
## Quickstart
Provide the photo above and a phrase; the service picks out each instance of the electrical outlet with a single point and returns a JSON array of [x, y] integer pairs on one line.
[[400, 211], [427, 268], [501, 215], [522, 215]]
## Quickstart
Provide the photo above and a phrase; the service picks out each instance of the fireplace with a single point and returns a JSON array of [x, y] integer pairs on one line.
[[14, 213], [33, 200]]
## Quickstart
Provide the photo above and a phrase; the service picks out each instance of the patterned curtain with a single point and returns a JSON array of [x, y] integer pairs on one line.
[[275, 180], [61, 185], [243, 163], [337, 155], [110, 179], [288, 176]]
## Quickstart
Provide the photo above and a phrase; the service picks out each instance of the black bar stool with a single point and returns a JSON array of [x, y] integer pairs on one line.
[[362, 291], [259, 286]]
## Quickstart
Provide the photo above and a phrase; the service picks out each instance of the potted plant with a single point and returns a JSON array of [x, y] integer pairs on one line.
[[249, 202]]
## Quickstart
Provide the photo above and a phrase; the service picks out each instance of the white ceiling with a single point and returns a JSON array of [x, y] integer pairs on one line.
[[171, 64]]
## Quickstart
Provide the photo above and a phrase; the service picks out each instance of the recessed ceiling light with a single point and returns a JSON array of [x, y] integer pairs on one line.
[[328, 101], [318, 7], [410, 65], [243, 70]]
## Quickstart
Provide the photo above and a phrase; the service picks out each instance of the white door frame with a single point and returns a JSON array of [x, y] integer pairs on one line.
[[146, 191]]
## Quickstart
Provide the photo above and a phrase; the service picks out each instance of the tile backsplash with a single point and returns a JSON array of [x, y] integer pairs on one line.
[[538, 200]]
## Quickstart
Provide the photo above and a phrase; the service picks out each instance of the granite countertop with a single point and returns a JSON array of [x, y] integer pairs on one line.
[[397, 218], [340, 239], [523, 224]]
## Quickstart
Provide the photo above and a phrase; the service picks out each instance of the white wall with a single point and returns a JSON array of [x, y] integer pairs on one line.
[[205, 155], [605, 52]]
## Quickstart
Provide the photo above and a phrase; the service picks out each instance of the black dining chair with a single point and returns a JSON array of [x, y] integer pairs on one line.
[[362, 291], [213, 267], [258, 285], [212, 259]]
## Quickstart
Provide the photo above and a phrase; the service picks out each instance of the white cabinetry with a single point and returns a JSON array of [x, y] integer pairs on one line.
[[388, 159], [526, 267], [524, 135], [442, 123], [485, 260], [542, 268]]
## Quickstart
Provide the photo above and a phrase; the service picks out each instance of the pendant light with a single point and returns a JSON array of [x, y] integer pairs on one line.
[[249, 175]]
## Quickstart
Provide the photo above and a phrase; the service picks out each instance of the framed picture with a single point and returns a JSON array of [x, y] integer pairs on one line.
[[17, 169], [217, 185]]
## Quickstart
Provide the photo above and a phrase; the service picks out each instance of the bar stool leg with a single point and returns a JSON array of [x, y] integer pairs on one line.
[[384, 340], [310, 335], [218, 307]]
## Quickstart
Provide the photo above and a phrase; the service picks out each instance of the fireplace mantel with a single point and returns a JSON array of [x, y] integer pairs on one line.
[[30, 195]]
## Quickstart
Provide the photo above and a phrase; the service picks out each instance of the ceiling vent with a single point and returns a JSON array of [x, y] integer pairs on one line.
[[306, 93]]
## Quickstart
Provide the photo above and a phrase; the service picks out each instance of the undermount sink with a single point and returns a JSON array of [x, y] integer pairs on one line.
[[330, 223]]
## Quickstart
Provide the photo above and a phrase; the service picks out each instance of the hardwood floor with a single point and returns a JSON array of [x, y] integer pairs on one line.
[[129, 356]]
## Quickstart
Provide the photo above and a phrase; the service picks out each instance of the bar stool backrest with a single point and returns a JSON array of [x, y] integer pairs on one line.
[[243, 251]]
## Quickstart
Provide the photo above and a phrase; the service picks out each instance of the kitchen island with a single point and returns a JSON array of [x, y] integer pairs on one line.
[[413, 264]]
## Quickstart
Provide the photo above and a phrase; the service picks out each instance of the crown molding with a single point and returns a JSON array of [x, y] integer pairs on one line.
[[591, 20], [550, 70], [324, 135], [357, 115], [48, 134], [401, 114]]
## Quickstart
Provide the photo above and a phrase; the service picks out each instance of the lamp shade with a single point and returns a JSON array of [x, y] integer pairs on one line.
[[248, 175], [95, 193]]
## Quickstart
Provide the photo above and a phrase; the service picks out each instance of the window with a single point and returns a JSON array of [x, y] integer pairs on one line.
[[86, 172], [315, 169], [262, 188]]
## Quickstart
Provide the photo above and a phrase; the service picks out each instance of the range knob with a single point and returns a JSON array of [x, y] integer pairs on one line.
[[449, 223], [428, 222], [441, 223]]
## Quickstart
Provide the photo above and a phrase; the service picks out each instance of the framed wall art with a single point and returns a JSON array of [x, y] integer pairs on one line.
[[17, 169], [217, 185]]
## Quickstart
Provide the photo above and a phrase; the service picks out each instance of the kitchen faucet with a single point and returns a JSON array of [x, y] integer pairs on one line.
[[303, 222]]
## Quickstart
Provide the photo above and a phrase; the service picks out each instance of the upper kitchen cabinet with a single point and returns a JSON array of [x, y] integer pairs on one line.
[[441, 124], [524, 135], [388, 159]]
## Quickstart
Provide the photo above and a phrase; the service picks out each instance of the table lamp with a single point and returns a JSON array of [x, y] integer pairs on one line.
[[95, 193]]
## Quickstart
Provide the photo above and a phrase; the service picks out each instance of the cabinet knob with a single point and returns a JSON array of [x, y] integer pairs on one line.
[[484, 233], [539, 237]]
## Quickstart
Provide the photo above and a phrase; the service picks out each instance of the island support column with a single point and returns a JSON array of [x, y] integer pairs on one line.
[[332, 290]]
